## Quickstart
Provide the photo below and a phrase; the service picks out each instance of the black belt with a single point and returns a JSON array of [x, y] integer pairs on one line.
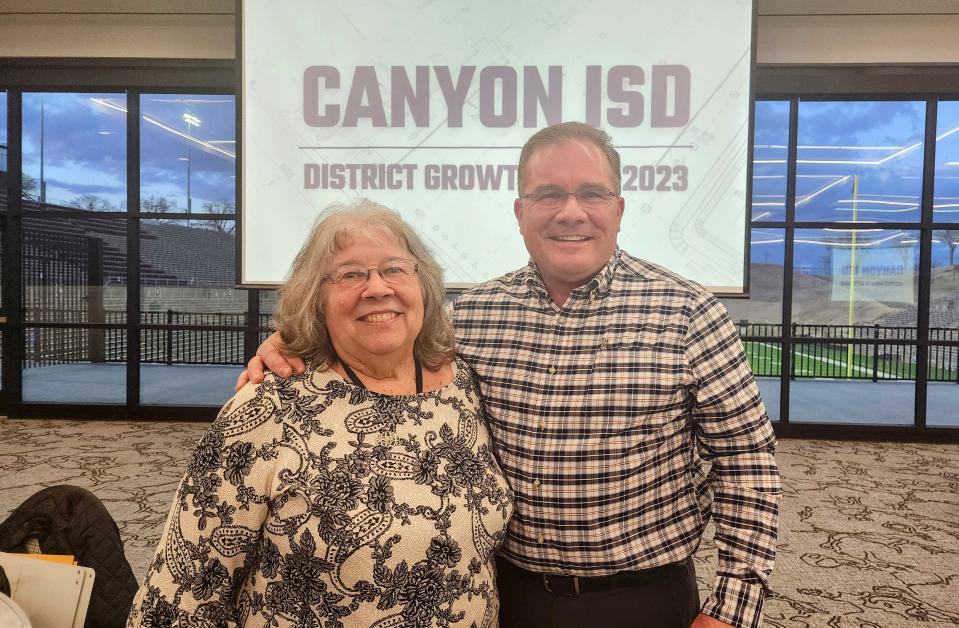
[[577, 585]]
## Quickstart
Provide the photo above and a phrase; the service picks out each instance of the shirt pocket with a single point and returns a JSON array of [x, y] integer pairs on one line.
[[640, 385]]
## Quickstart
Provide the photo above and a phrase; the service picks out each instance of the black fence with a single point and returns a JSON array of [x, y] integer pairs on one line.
[[167, 343], [173, 337], [824, 351]]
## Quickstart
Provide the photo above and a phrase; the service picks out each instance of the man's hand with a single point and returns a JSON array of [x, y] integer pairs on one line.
[[270, 355], [705, 621]]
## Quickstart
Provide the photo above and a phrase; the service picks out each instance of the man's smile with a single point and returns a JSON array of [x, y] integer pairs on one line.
[[570, 238]]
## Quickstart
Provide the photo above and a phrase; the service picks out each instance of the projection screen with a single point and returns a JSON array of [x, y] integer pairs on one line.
[[424, 108]]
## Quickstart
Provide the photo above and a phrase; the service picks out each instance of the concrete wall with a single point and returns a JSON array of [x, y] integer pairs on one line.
[[113, 298], [789, 31], [183, 299]]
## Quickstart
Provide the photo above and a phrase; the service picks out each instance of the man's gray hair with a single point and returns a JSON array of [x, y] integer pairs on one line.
[[565, 132]]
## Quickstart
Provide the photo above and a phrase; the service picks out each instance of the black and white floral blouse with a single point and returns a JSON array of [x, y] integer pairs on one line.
[[313, 502]]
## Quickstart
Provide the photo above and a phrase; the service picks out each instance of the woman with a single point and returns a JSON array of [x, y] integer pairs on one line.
[[361, 493]]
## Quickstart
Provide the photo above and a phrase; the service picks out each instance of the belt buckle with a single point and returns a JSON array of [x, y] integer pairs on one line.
[[575, 586]]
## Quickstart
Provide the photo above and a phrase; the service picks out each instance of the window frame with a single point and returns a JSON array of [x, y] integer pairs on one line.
[[133, 77]]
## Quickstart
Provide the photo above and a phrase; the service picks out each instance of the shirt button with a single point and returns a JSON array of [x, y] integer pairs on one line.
[[552, 370], [540, 539], [536, 483], [541, 425]]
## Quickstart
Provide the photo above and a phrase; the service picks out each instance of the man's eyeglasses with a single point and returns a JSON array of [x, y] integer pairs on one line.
[[553, 198], [354, 275]]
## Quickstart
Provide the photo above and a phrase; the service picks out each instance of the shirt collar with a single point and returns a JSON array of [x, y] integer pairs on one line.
[[595, 288]]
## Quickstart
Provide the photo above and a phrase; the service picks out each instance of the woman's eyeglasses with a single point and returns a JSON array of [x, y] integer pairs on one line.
[[355, 275]]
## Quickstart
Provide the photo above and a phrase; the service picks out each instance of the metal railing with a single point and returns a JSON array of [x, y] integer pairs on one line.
[[823, 351], [167, 343], [170, 337]]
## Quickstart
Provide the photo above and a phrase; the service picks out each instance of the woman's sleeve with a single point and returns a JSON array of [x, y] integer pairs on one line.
[[207, 546]]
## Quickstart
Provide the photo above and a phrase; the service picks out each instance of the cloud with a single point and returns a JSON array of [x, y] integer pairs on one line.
[[771, 124], [861, 123], [84, 143]]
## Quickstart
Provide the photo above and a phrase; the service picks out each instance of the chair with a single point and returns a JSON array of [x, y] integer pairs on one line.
[[72, 520], [51, 595]]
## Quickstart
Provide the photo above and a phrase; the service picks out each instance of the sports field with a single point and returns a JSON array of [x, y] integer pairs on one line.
[[822, 360]]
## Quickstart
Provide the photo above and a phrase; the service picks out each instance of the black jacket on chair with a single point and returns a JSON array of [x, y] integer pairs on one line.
[[71, 520]]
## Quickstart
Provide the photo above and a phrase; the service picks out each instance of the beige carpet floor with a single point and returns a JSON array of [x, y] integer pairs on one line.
[[869, 532]]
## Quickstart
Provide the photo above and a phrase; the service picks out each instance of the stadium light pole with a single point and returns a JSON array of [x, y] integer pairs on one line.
[[191, 121]]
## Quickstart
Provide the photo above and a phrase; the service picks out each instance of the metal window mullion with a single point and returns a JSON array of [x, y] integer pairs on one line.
[[251, 333], [133, 249], [925, 262], [13, 339], [789, 238]]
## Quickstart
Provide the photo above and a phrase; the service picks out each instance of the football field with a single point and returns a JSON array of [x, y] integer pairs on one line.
[[822, 360]]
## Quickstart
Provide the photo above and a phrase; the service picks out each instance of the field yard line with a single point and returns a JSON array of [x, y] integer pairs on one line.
[[828, 360]]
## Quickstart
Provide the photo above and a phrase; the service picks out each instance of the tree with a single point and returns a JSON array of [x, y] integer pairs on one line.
[[28, 187], [158, 204], [91, 202], [951, 239], [222, 206]]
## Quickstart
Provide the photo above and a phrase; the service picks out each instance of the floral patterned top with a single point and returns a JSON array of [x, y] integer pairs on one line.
[[314, 502]]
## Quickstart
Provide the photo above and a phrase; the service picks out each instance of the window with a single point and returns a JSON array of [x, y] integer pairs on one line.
[[942, 397], [770, 145], [188, 154], [851, 282], [859, 162], [73, 251], [74, 151]]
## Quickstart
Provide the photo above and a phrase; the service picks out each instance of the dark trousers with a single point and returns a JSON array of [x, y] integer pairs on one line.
[[671, 600]]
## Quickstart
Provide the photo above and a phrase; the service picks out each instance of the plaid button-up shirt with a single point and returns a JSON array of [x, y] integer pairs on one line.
[[603, 410]]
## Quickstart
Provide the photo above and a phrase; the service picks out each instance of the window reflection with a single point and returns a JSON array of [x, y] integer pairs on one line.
[[268, 299], [74, 270], [945, 204], [770, 144], [186, 274], [862, 402], [857, 284], [189, 269], [761, 313], [859, 161], [944, 293], [187, 153], [74, 151], [74, 365], [855, 277], [765, 359], [941, 405], [942, 392]]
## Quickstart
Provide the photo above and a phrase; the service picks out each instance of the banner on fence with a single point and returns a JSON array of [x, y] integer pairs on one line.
[[875, 274]]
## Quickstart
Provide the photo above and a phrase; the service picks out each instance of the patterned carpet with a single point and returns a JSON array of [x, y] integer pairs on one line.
[[869, 533]]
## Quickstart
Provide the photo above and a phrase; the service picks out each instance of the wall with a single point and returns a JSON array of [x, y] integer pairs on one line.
[[789, 31], [159, 29], [858, 31]]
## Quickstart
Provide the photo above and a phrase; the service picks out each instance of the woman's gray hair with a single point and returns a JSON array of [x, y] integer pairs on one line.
[[299, 312]]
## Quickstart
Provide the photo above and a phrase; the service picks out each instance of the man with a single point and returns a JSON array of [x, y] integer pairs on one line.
[[607, 381]]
